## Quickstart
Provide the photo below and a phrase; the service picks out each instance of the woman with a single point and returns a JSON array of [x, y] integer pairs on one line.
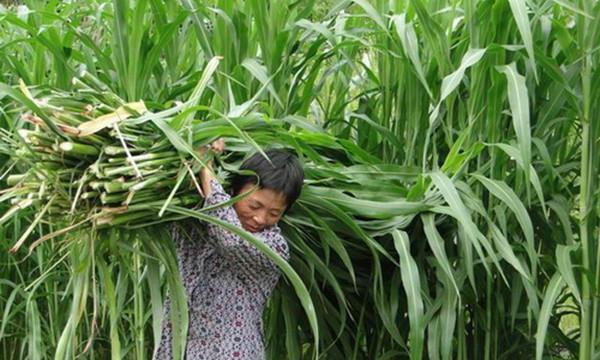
[[228, 281]]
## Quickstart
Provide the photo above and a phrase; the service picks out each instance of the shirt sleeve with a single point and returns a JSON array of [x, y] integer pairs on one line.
[[234, 248], [188, 242]]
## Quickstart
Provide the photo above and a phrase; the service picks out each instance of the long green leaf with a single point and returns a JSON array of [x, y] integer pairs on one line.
[[436, 243], [518, 98], [412, 286], [519, 10], [554, 288]]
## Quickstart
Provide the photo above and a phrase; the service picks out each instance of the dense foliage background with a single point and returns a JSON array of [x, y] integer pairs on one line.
[[451, 201]]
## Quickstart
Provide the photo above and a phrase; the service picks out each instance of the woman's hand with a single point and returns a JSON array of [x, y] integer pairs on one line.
[[206, 173], [218, 146]]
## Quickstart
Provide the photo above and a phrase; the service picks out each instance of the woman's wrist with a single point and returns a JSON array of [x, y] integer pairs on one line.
[[206, 175]]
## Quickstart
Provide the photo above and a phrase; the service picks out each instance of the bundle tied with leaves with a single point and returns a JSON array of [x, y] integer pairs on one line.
[[88, 158]]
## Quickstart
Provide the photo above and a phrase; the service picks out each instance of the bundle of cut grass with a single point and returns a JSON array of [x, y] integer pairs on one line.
[[90, 159]]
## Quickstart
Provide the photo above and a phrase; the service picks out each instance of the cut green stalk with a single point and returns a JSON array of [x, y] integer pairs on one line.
[[14, 179], [60, 159], [142, 157], [125, 218], [89, 194], [106, 198], [52, 165], [152, 163], [77, 148], [142, 141], [117, 150], [116, 186], [146, 183], [36, 137], [33, 224], [20, 205], [69, 119], [96, 185]]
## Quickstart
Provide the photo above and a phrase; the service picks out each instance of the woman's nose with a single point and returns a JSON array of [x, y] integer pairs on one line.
[[259, 218]]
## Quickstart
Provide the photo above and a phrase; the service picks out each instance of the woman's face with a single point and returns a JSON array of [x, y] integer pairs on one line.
[[261, 209]]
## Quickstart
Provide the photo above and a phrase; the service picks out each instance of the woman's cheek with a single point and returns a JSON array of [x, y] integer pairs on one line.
[[273, 220]]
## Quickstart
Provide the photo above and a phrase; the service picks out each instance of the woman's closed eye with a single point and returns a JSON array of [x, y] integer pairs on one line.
[[254, 206]]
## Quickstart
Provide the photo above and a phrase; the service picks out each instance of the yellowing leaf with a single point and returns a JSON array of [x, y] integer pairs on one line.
[[104, 121]]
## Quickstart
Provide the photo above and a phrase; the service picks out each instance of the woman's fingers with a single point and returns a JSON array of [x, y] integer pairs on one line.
[[218, 146], [202, 150]]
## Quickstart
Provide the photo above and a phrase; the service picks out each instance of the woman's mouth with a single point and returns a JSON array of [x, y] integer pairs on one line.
[[251, 228]]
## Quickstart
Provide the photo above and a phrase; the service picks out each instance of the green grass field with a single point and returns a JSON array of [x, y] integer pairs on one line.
[[450, 207]]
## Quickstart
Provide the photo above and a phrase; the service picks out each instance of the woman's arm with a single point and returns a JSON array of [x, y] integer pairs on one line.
[[206, 173]]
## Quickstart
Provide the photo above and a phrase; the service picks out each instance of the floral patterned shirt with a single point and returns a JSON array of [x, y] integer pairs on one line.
[[227, 281]]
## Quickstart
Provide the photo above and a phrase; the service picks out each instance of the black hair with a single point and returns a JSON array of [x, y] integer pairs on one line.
[[283, 174]]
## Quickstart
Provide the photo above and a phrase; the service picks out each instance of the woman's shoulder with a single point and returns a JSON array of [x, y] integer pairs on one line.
[[189, 227], [276, 241]]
